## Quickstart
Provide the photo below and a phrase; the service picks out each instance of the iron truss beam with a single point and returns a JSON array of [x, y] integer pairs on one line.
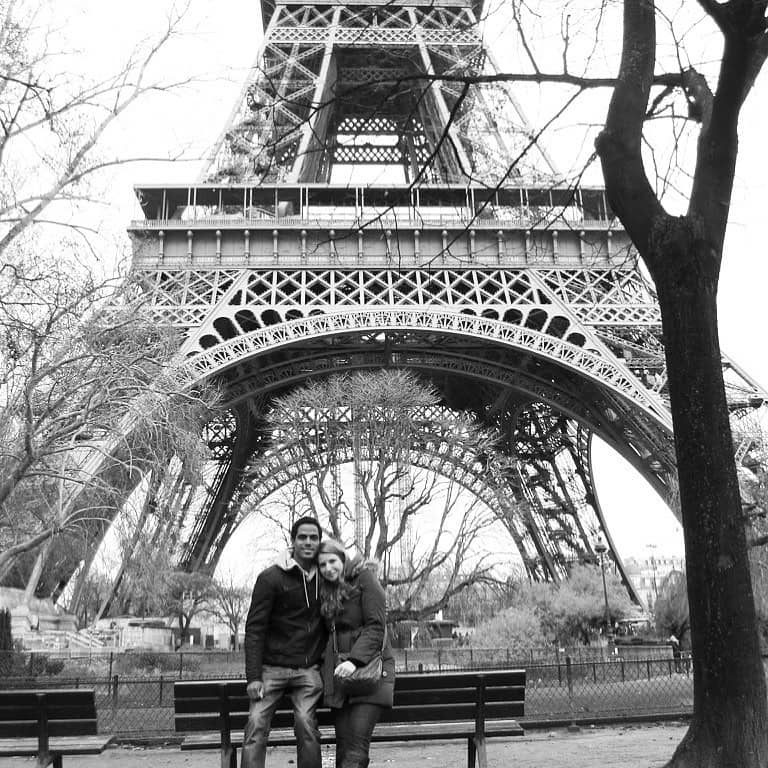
[[496, 482], [311, 71]]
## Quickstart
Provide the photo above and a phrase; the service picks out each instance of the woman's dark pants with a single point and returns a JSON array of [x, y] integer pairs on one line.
[[354, 726]]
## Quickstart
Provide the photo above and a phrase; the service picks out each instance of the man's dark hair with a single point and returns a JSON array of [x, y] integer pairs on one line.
[[305, 521]]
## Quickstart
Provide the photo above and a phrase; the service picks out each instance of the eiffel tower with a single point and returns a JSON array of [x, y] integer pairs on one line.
[[518, 296]]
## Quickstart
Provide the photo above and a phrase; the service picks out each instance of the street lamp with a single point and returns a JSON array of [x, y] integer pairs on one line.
[[652, 547], [601, 549]]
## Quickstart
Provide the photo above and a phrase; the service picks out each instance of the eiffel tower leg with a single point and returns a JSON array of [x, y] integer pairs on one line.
[[581, 452], [149, 505], [81, 581], [517, 519], [37, 569], [214, 521], [94, 522]]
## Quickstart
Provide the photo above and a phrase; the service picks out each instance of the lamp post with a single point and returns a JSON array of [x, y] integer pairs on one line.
[[601, 549], [652, 547]]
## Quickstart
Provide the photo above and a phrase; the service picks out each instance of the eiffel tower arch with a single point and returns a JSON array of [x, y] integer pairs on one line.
[[518, 296]]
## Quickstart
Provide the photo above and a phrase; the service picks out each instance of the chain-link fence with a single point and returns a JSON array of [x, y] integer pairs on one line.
[[614, 688], [98, 663], [452, 658], [134, 692]]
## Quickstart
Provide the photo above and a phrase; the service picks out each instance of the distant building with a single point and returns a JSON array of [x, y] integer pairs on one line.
[[648, 575], [147, 633]]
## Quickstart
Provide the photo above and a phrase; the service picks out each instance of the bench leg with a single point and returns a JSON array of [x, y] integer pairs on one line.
[[57, 761], [479, 752]]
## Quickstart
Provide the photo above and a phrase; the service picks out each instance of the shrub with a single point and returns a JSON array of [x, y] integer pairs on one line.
[[53, 666], [155, 662], [6, 638], [37, 664], [20, 664], [145, 661], [514, 628], [6, 643]]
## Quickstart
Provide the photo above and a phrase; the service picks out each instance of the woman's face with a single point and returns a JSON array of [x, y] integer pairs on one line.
[[331, 566]]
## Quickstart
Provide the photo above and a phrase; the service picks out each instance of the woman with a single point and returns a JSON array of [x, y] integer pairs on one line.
[[352, 599]]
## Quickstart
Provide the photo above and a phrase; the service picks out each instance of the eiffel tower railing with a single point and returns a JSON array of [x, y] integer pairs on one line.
[[315, 224]]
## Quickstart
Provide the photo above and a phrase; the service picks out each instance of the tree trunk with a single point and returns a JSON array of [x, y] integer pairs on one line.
[[8, 556], [730, 709]]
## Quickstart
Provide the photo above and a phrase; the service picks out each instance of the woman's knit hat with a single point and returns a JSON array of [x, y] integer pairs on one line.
[[333, 547]]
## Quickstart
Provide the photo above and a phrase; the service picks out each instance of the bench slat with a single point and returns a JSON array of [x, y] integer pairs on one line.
[[27, 728], [277, 737], [444, 730], [55, 697], [183, 705], [458, 696], [66, 745], [451, 712], [55, 712], [382, 732], [404, 714], [438, 681], [209, 721]]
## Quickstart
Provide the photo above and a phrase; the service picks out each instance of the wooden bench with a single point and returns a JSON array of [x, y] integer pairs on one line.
[[428, 706], [49, 724]]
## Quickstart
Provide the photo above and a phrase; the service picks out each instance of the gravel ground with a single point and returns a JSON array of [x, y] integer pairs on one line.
[[629, 746]]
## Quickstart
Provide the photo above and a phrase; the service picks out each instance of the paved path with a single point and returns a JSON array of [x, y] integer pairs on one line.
[[630, 746]]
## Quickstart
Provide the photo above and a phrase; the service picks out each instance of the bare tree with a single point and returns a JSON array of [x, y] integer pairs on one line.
[[483, 600], [671, 613], [229, 603], [52, 122], [183, 595], [425, 531], [440, 566], [74, 386], [73, 375], [684, 255]]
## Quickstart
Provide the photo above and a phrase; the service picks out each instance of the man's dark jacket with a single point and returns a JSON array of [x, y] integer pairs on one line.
[[284, 626]]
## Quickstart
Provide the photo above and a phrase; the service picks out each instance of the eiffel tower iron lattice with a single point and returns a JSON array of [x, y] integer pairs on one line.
[[519, 298]]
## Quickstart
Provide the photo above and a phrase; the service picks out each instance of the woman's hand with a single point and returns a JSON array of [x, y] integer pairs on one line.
[[345, 669]]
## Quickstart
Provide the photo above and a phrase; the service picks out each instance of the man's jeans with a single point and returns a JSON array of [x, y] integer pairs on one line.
[[305, 689]]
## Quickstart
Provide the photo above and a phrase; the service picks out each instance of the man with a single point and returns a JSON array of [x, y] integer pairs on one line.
[[284, 640]]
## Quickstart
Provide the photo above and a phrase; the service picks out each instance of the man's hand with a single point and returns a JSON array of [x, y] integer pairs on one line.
[[345, 669], [255, 690]]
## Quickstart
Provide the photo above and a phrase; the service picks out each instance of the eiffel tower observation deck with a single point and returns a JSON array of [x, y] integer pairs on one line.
[[374, 203]]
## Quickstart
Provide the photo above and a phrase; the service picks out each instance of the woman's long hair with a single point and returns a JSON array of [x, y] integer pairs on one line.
[[333, 593]]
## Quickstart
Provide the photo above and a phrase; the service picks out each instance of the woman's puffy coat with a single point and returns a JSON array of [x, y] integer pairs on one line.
[[360, 628]]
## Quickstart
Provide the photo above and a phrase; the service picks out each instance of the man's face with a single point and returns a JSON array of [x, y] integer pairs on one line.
[[306, 543]]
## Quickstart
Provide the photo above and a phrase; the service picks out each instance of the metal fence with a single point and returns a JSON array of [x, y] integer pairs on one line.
[[132, 705], [465, 657], [104, 663]]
